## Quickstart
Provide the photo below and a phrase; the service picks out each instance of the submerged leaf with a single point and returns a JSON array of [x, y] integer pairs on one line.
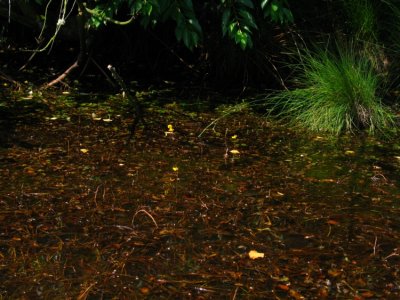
[[296, 295]]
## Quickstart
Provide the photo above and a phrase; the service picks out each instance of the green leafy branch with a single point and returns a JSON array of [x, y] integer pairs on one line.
[[277, 10], [238, 22]]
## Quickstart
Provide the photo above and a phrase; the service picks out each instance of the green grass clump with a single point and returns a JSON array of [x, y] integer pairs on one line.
[[362, 17], [336, 93]]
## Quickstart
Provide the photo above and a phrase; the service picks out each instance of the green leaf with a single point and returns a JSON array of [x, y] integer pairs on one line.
[[188, 5], [195, 24], [225, 20], [179, 32], [248, 18], [288, 15], [232, 27], [264, 3], [247, 3], [243, 39], [186, 38]]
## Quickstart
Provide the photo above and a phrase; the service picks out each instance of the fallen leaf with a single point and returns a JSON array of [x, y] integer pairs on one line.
[[29, 171], [283, 287], [349, 152], [332, 222], [95, 117], [234, 151], [296, 295], [253, 254], [84, 151], [367, 294], [280, 279], [334, 272], [323, 293], [144, 290], [328, 180]]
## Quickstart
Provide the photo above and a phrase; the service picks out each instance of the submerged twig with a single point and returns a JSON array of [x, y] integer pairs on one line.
[[147, 213]]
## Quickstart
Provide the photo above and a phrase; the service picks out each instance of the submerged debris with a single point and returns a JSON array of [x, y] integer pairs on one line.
[[81, 218]]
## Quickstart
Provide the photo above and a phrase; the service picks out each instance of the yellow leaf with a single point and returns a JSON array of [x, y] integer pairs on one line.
[[234, 137], [170, 128], [175, 169], [234, 151], [349, 152], [83, 150], [253, 254]]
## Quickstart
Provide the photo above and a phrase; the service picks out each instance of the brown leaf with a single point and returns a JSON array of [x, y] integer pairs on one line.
[[145, 290], [334, 272], [296, 295], [323, 293], [367, 294], [283, 287], [332, 222]]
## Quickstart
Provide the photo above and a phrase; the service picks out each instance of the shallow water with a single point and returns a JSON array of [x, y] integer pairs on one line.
[[175, 216]]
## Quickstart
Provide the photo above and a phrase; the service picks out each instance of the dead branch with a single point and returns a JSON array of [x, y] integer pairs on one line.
[[63, 75]]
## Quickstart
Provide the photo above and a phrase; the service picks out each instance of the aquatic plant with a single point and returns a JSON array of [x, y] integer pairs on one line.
[[336, 91]]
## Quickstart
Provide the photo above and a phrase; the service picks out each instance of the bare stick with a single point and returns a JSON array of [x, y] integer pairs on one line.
[[63, 75], [148, 214], [376, 240]]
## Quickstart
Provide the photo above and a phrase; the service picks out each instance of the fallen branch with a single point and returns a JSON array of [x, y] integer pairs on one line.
[[63, 75]]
